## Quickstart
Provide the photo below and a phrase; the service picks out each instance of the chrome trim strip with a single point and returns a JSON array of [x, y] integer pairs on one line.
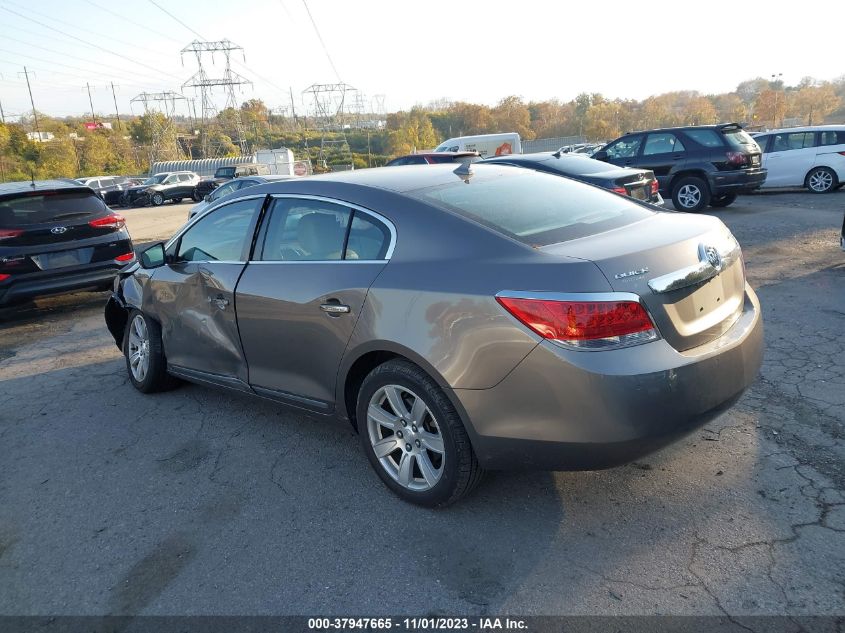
[[569, 296], [695, 273], [317, 261]]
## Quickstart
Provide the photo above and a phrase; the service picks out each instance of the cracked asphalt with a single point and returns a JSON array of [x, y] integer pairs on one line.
[[202, 502]]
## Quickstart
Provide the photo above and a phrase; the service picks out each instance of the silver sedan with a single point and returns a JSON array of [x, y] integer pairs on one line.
[[483, 317]]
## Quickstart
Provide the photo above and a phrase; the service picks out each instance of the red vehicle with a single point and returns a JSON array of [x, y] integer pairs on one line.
[[435, 158]]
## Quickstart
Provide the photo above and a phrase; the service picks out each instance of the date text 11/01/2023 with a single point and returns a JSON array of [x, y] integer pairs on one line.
[[418, 624]]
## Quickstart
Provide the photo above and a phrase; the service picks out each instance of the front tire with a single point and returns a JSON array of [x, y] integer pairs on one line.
[[157, 199], [414, 437], [196, 197], [177, 200], [821, 180], [144, 354], [690, 194], [722, 201]]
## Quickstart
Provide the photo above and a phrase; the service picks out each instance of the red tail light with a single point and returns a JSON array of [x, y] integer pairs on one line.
[[127, 257], [584, 324], [737, 159], [842, 153], [6, 234], [620, 190], [113, 221], [4, 277], [655, 187]]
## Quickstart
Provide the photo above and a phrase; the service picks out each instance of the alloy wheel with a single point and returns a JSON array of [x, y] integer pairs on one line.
[[689, 196], [820, 180], [405, 437], [138, 348]]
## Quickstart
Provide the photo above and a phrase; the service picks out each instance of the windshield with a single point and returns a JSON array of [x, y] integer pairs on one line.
[[155, 180], [535, 208]]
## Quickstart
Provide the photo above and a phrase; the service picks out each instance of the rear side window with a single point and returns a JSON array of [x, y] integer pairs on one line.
[[535, 208], [302, 230], [705, 138], [832, 137], [50, 207], [787, 141], [662, 143], [368, 238]]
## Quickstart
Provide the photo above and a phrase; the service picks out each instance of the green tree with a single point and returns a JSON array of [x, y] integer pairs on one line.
[[410, 131], [512, 115]]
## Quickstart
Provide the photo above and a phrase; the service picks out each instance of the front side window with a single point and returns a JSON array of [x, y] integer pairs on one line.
[[155, 180], [170, 180], [223, 190], [305, 231], [662, 143], [625, 147], [222, 235]]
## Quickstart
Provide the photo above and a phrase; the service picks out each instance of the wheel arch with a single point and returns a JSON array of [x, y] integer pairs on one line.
[[357, 364], [686, 172]]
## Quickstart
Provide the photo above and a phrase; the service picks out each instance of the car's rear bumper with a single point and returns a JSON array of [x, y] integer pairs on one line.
[[98, 275], [738, 181], [568, 410]]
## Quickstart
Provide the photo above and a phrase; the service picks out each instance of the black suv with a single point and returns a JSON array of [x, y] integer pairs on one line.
[[696, 166], [156, 190], [226, 173], [55, 237]]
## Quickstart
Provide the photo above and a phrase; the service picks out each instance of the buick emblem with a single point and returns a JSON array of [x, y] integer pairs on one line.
[[711, 255], [58, 230]]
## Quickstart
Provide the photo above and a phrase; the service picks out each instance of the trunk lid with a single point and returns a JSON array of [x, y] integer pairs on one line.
[[686, 269]]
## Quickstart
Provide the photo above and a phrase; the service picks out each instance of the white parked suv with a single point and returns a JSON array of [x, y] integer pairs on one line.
[[811, 157]]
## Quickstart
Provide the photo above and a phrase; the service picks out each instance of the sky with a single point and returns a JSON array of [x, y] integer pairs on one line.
[[410, 52]]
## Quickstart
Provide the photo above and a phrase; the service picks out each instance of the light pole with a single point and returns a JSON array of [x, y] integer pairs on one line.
[[775, 80]]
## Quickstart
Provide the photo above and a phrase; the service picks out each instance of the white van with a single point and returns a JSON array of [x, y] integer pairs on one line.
[[485, 144], [811, 157]]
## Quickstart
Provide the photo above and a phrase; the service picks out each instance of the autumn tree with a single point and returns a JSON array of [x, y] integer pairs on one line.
[[410, 131], [699, 111], [512, 115], [813, 103], [770, 107]]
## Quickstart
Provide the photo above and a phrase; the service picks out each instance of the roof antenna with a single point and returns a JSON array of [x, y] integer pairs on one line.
[[464, 171]]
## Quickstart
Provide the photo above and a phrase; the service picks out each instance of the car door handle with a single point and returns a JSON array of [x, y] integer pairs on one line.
[[334, 308], [678, 157], [219, 301]]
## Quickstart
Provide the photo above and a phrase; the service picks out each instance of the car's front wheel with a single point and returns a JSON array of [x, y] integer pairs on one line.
[[144, 353], [414, 437], [690, 194], [724, 200], [196, 196], [157, 199], [177, 200], [821, 180]]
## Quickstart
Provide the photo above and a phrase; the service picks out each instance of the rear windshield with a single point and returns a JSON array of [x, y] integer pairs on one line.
[[535, 208], [738, 137], [35, 208], [225, 172]]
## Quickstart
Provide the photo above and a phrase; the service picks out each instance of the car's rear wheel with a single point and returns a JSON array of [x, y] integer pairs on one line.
[[690, 194], [821, 180], [724, 200], [157, 199], [144, 353], [414, 437]]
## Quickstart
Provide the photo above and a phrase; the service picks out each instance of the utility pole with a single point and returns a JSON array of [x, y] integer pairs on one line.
[[293, 109], [32, 101], [91, 102], [2, 114], [116, 111]]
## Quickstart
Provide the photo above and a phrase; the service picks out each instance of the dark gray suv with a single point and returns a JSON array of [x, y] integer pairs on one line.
[[460, 319]]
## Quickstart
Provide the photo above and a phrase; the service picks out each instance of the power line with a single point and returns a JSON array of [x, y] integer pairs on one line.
[[135, 23], [100, 35], [320, 37], [177, 19], [47, 26]]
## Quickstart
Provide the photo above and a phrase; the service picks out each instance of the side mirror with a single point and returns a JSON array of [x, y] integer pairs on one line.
[[153, 256], [207, 197], [599, 155]]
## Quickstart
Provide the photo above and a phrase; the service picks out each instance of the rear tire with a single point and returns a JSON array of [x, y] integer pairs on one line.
[[144, 354], [157, 199], [424, 452], [724, 200], [690, 194], [821, 180]]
